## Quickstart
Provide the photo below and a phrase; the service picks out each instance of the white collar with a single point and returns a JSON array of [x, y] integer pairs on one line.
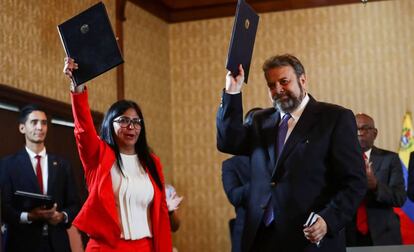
[[32, 155]]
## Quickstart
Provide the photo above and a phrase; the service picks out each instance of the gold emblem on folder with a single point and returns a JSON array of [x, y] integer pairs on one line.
[[246, 24]]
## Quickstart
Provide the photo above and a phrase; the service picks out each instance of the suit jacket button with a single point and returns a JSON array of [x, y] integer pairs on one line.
[[272, 184]]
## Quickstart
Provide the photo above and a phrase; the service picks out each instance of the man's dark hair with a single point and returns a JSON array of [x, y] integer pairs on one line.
[[26, 110], [248, 117], [284, 60]]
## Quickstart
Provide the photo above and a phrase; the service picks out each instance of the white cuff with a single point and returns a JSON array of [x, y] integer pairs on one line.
[[24, 218]]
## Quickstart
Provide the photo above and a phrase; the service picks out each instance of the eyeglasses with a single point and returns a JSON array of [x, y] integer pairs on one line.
[[365, 128], [124, 122]]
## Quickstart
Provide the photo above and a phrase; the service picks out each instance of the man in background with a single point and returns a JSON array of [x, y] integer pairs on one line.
[[235, 177], [34, 170], [375, 222], [410, 184]]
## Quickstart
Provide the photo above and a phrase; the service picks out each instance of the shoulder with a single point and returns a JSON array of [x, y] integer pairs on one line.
[[263, 113], [331, 108], [236, 163], [332, 113], [383, 152], [57, 160], [15, 156], [237, 159], [57, 157]]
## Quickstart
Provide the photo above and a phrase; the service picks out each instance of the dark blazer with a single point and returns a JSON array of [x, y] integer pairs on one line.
[[18, 174], [235, 174], [410, 186], [383, 223], [320, 169]]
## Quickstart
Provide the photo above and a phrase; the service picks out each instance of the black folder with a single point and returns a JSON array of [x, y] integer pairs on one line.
[[88, 38], [29, 200], [242, 39]]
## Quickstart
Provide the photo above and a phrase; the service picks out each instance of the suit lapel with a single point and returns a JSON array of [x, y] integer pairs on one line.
[[270, 129], [376, 159], [27, 169], [306, 121], [52, 164]]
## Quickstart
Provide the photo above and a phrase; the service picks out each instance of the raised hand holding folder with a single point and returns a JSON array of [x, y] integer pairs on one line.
[[88, 38], [242, 39]]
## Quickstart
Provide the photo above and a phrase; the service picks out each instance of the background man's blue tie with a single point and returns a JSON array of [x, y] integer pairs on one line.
[[281, 136]]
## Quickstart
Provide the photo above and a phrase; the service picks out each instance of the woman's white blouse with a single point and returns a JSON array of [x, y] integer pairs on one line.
[[133, 194]]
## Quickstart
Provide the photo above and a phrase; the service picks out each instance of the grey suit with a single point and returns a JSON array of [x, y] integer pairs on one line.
[[383, 223]]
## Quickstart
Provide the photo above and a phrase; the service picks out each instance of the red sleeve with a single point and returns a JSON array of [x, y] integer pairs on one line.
[[87, 140]]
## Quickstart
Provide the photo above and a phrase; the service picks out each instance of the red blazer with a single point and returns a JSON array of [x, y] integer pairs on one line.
[[98, 216]]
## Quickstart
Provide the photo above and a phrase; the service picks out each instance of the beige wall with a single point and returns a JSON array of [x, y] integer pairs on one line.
[[361, 57], [147, 78], [32, 55]]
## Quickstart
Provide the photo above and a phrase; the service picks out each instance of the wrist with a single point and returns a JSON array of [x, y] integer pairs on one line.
[[76, 89]]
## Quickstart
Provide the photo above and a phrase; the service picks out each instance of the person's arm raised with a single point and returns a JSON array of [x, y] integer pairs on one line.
[[85, 132], [234, 84]]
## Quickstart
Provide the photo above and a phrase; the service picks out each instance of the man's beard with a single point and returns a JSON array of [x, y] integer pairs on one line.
[[289, 102]]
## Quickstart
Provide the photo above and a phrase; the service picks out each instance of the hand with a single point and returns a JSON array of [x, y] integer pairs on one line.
[[173, 201], [69, 66], [41, 214], [234, 85], [317, 231], [56, 218], [372, 180]]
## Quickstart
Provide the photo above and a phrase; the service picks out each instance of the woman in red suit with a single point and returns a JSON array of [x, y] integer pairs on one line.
[[126, 209]]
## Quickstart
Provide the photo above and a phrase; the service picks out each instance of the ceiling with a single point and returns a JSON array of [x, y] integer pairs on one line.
[[173, 11]]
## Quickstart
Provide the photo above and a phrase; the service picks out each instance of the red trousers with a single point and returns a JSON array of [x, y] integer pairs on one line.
[[141, 245]]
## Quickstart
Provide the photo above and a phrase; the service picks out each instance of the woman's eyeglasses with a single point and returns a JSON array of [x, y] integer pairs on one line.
[[124, 122]]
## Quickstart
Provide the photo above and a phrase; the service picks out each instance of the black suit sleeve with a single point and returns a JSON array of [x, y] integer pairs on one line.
[[9, 213], [232, 136], [392, 192], [233, 185], [410, 188], [347, 170]]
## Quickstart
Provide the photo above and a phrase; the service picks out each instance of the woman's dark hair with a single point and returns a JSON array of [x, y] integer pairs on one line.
[[141, 147]]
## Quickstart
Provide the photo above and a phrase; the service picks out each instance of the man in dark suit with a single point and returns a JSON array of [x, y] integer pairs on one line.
[[235, 178], [235, 173], [34, 170], [307, 161], [375, 222], [410, 181]]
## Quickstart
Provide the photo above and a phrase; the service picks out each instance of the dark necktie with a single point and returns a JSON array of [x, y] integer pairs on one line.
[[362, 217], [39, 173], [268, 215], [282, 132]]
